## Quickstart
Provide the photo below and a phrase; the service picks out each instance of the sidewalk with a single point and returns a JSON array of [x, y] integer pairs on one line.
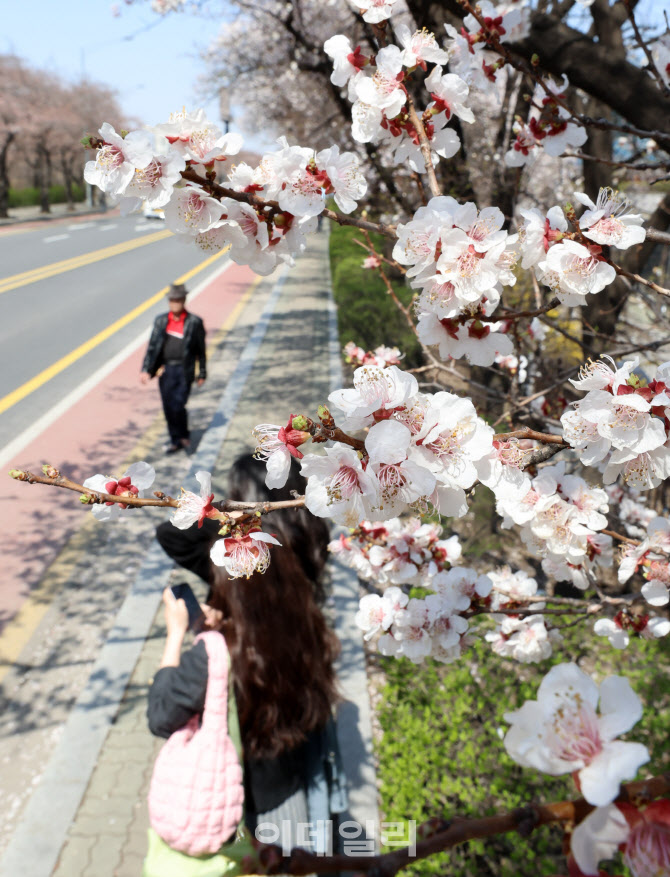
[[20, 215], [77, 758]]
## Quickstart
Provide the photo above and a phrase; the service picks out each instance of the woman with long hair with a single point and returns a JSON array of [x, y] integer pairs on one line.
[[282, 657]]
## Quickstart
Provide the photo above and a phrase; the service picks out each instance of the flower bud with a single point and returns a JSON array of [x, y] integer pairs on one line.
[[50, 471], [299, 422]]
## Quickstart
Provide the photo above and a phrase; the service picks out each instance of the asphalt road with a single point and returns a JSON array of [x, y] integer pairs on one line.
[[64, 283]]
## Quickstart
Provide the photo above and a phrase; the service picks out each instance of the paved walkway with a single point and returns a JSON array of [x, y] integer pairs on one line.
[[19, 215], [75, 752]]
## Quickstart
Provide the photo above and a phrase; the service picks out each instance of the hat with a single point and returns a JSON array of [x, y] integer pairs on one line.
[[176, 292]]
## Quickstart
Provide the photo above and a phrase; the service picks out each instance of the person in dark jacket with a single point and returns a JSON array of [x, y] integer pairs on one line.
[[285, 686], [177, 342]]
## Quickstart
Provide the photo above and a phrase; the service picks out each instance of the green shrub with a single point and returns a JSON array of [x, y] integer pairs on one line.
[[30, 195], [366, 313], [441, 753]]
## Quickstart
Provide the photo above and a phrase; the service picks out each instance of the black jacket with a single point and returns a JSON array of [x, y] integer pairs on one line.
[[178, 693], [194, 347]]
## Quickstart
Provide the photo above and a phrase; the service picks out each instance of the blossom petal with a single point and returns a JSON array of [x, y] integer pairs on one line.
[[142, 475], [600, 780], [264, 537], [620, 707], [655, 593], [278, 468], [204, 479], [97, 482], [598, 837]]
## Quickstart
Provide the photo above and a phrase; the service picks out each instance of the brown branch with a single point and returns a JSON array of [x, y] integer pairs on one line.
[[525, 432], [541, 455], [90, 497], [424, 145], [323, 433], [233, 508], [642, 44], [217, 191], [659, 237], [632, 276], [620, 537], [456, 831], [645, 166]]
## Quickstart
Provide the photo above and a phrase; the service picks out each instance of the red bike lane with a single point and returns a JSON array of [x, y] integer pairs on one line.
[[96, 434]]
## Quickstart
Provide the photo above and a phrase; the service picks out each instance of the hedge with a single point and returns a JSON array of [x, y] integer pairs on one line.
[[366, 314], [441, 753], [30, 196]]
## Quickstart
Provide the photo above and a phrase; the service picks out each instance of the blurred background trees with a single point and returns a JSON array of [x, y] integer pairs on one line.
[[42, 121]]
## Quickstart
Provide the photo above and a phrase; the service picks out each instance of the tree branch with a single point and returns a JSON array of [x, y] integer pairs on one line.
[[445, 834]]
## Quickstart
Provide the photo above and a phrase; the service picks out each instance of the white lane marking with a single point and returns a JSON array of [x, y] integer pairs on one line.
[[55, 237], [77, 226], [107, 227], [14, 448], [40, 834], [145, 226]]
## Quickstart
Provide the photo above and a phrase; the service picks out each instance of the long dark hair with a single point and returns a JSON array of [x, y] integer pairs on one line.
[[281, 647]]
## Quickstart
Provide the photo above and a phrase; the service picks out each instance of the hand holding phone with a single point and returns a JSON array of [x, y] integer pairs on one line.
[[195, 613]]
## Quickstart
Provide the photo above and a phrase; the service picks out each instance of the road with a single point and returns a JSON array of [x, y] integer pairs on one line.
[[73, 295]]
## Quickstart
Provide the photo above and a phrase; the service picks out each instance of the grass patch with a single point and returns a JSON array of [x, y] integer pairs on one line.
[[441, 753], [365, 312], [30, 196]]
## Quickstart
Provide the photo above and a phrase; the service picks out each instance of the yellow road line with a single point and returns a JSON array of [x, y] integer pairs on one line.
[[65, 361], [35, 274], [19, 631]]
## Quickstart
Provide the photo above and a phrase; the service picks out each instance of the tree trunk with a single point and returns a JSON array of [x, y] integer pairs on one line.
[[68, 178], [45, 179], [4, 177]]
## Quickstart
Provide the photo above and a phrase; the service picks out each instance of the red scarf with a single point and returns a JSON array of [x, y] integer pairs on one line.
[[175, 324]]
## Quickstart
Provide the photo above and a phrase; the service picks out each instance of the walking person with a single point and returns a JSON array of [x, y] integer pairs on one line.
[[282, 655], [177, 342]]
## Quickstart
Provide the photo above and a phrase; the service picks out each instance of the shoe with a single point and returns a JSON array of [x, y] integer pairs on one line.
[[171, 449], [185, 444]]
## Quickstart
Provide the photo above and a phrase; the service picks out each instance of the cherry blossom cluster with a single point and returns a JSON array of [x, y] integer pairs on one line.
[[621, 424], [631, 511], [243, 549], [381, 356], [560, 516], [469, 56], [651, 558], [460, 258], [397, 551], [420, 627], [562, 732], [148, 166], [135, 481], [548, 126], [420, 450], [380, 111], [572, 269], [523, 637]]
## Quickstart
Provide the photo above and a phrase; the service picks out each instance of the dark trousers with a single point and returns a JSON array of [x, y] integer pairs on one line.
[[174, 393], [190, 548]]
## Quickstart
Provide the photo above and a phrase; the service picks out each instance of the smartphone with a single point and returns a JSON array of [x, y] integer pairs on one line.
[[195, 613]]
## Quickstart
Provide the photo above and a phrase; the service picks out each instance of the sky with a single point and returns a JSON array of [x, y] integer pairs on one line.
[[152, 61]]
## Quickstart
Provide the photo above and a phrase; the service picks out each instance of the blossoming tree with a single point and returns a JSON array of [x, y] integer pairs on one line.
[[399, 462]]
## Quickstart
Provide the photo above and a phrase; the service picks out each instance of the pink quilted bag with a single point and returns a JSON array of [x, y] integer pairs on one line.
[[196, 793]]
